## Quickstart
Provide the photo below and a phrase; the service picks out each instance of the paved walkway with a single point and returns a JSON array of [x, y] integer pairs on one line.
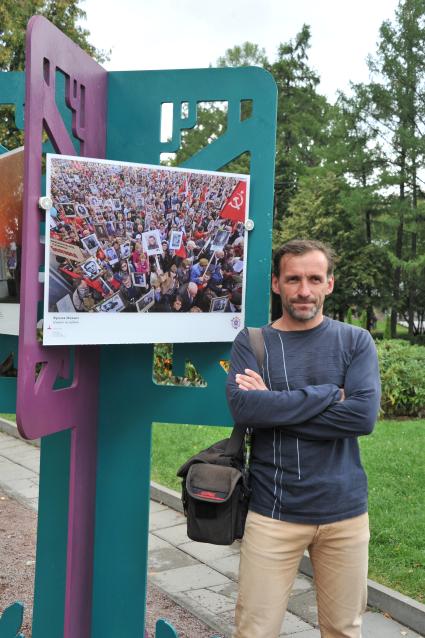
[[201, 578]]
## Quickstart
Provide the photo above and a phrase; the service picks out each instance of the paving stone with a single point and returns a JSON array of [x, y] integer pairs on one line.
[[9, 443], [33, 504], [214, 602], [304, 605], [177, 535], [9, 470], [157, 543], [230, 590], [161, 560], [301, 584], [229, 566], [165, 518], [228, 621], [23, 487], [207, 553], [377, 625], [156, 507], [188, 578], [293, 625], [309, 633]]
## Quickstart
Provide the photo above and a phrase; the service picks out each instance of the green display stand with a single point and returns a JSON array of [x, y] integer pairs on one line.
[[111, 447]]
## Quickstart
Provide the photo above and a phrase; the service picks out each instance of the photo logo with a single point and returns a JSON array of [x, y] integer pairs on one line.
[[236, 322]]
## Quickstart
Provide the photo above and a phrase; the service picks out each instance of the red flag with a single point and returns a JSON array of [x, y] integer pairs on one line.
[[235, 206], [184, 188]]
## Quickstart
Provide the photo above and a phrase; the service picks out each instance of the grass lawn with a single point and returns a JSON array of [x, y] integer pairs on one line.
[[393, 457], [380, 327], [394, 460]]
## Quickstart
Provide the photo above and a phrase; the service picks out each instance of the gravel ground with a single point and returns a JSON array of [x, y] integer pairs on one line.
[[17, 563]]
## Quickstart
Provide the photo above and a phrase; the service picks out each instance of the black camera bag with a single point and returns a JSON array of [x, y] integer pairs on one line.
[[215, 485]]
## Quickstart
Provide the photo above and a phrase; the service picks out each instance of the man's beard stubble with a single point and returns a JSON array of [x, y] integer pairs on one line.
[[300, 315]]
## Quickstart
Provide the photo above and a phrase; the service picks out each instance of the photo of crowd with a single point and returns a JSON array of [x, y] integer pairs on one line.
[[11, 206], [144, 239]]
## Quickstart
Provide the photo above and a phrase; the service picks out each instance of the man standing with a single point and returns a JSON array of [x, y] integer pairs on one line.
[[317, 392]]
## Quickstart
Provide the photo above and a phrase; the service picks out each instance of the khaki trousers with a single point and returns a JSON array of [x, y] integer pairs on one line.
[[270, 555]]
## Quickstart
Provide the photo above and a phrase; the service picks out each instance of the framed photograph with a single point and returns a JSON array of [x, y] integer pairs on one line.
[[65, 304], [176, 239], [108, 191], [220, 240], [138, 279], [90, 268], [11, 205], [111, 255], [113, 304], [100, 231], [120, 229], [68, 209], [152, 242], [110, 228], [125, 250], [218, 304], [147, 220], [146, 302], [81, 210], [91, 243], [106, 288]]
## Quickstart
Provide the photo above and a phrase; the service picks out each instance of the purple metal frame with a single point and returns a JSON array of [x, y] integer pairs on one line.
[[42, 410]]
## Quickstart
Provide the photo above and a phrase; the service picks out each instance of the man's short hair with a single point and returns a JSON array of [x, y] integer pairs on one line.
[[300, 247]]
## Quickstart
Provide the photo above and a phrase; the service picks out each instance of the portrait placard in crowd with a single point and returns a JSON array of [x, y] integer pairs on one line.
[[137, 253], [11, 203]]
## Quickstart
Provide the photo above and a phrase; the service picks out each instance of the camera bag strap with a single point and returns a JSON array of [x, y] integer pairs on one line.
[[256, 341]]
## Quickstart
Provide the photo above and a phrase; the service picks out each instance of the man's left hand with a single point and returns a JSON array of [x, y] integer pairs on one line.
[[250, 380]]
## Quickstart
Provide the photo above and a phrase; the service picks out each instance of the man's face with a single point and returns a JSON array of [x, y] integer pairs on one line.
[[303, 284], [91, 268]]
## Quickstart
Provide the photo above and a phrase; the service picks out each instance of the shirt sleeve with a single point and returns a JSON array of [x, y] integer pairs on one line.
[[357, 414], [263, 409]]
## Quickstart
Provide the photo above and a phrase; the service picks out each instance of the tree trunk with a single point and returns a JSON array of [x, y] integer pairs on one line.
[[398, 254]]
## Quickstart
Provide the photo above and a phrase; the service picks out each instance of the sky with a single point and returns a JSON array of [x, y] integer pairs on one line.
[[181, 34]]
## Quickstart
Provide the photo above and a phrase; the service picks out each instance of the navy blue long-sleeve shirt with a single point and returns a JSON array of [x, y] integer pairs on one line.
[[305, 463]]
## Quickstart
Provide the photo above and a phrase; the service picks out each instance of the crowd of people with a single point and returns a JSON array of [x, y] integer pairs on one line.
[[143, 239]]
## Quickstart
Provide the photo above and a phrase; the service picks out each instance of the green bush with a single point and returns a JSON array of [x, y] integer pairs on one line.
[[349, 317], [402, 376], [363, 319], [387, 329]]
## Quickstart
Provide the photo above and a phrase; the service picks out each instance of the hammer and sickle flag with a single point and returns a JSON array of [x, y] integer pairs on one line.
[[235, 207]]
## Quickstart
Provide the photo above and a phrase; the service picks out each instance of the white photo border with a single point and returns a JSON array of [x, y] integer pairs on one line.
[[140, 327]]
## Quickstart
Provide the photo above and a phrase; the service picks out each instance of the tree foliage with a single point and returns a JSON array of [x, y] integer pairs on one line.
[[14, 16]]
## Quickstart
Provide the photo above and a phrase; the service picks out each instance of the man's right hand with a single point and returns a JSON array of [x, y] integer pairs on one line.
[[342, 398]]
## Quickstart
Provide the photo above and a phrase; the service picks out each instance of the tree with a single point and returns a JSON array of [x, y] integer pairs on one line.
[[301, 119], [353, 153], [323, 208], [14, 16], [396, 112], [246, 54]]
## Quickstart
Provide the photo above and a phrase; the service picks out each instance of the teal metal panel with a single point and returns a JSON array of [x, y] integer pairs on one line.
[[49, 602], [8, 345], [12, 91], [129, 400]]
